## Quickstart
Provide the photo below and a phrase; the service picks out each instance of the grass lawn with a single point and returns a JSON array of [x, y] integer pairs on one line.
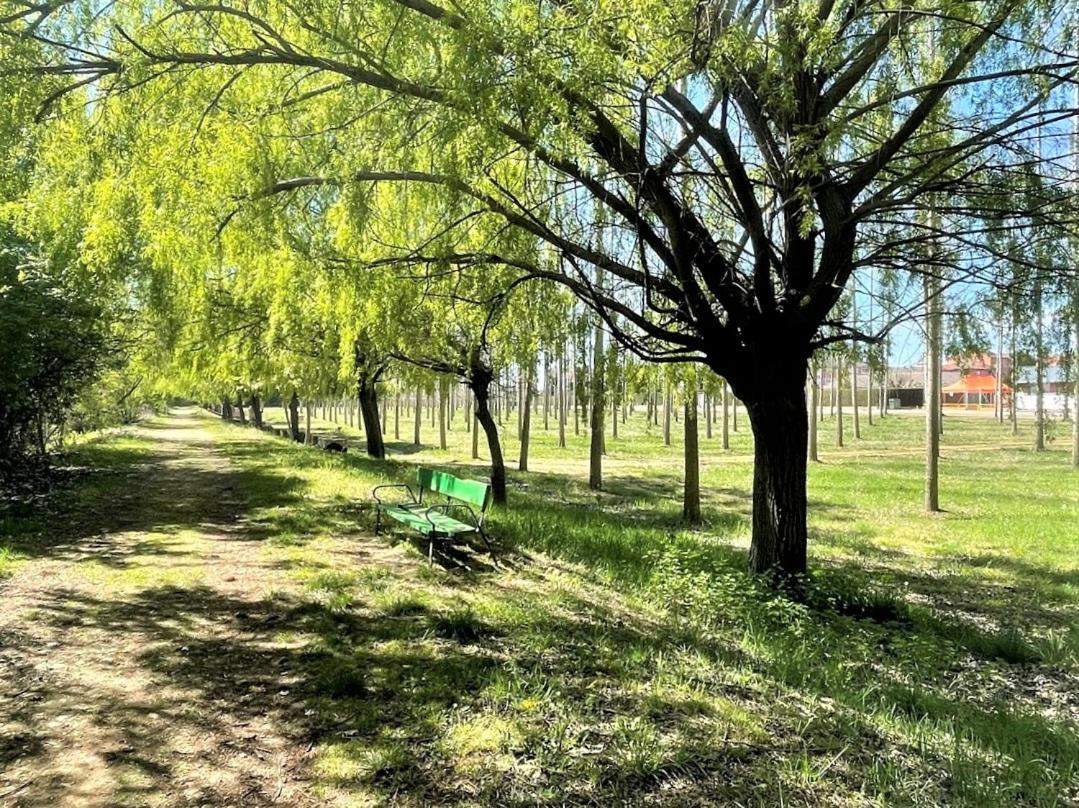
[[615, 657], [937, 661]]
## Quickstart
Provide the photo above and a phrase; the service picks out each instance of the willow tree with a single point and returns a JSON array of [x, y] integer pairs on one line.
[[803, 124]]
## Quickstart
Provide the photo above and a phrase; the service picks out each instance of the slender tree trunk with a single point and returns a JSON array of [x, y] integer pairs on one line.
[[1039, 369], [443, 406], [691, 497], [226, 409], [869, 393], [734, 413], [294, 416], [526, 418], [667, 401], [726, 416], [837, 383], [932, 395], [1013, 369], [397, 414], [308, 436], [367, 402], [780, 437], [562, 399], [419, 417], [812, 413], [256, 411], [475, 437], [490, 428], [707, 416], [1075, 356], [614, 412], [546, 391], [998, 410], [595, 450], [240, 410], [854, 399]]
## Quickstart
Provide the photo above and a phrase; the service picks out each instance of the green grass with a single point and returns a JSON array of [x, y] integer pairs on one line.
[[623, 655], [617, 657]]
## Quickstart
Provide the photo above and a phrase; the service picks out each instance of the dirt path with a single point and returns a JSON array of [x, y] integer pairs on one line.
[[139, 662]]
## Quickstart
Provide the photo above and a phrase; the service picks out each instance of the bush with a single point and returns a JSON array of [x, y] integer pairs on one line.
[[54, 342]]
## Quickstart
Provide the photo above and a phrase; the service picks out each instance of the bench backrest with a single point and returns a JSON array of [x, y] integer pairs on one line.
[[471, 491]]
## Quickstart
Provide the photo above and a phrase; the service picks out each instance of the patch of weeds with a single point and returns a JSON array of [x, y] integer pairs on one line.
[[460, 624], [335, 590], [8, 561], [402, 604], [483, 742], [1059, 647], [1008, 645], [361, 761], [340, 679]]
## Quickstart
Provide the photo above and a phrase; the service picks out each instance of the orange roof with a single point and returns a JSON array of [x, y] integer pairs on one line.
[[975, 384]]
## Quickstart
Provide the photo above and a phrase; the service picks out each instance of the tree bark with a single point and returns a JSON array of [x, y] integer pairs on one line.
[[854, 398], [367, 400], [294, 416], [240, 410], [691, 496], [443, 407], [780, 435], [837, 383], [1039, 369], [595, 449], [726, 416], [932, 395], [256, 411], [475, 437], [418, 417], [526, 418], [480, 388], [562, 399], [226, 410], [308, 437], [812, 413], [667, 414]]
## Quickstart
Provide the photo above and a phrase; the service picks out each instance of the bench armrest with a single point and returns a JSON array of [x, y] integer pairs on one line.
[[378, 488]]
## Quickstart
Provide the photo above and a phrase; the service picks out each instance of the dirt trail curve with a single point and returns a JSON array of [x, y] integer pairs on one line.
[[138, 658]]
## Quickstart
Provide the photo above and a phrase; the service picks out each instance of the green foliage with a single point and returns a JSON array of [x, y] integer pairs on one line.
[[53, 345]]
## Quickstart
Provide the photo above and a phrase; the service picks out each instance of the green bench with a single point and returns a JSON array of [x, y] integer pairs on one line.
[[435, 521]]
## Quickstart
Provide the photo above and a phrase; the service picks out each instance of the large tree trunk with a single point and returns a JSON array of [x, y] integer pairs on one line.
[[780, 425], [480, 388], [293, 415], [367, 399], [226, 410], [691, 496]]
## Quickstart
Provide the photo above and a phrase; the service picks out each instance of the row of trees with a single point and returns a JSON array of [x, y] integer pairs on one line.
[[309, 192]]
